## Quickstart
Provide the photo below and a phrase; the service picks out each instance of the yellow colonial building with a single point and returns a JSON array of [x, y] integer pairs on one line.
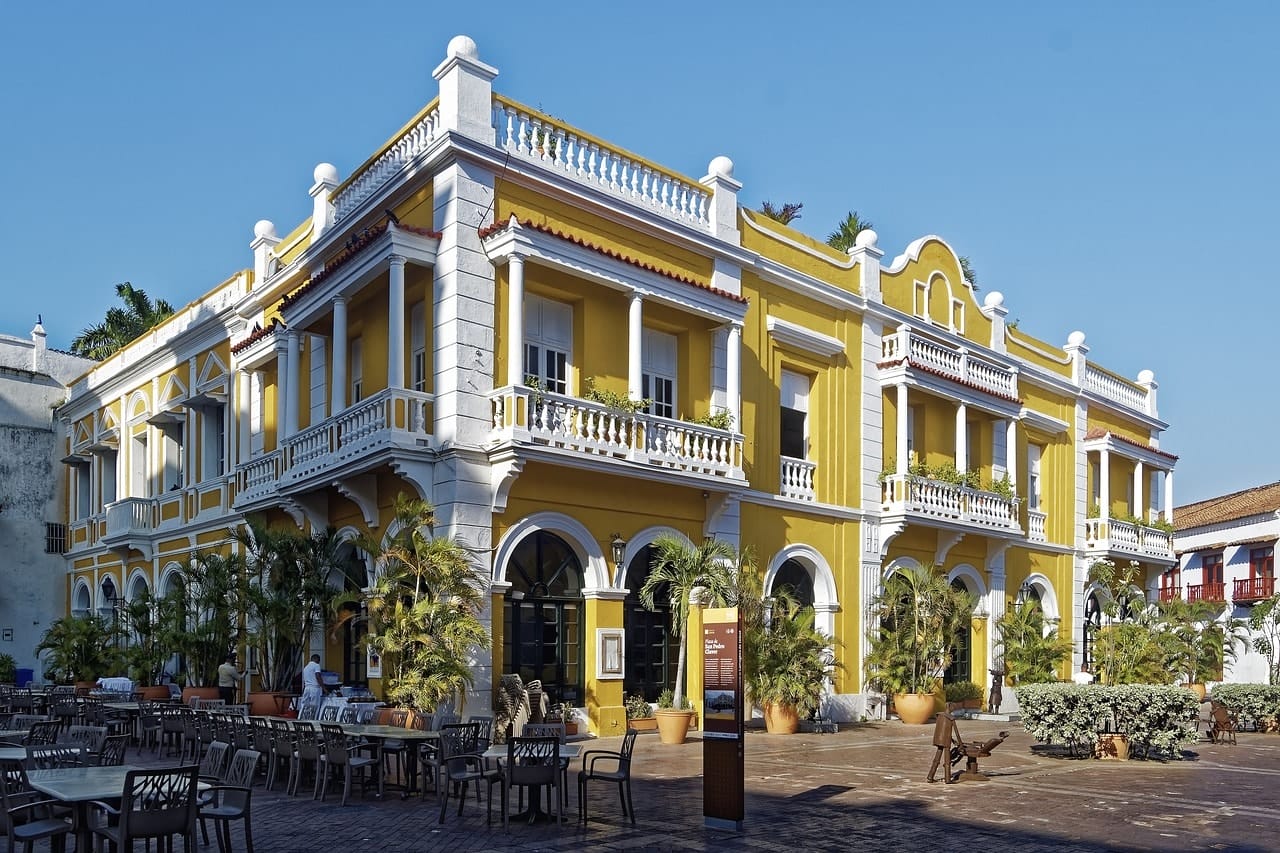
[[457, 314]]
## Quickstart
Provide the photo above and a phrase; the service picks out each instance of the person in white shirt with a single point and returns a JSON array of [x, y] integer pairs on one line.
[[312, 683]]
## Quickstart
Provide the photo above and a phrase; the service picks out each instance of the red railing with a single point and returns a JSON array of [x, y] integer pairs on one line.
[[1252, 589], [1207, 592], [1170, 593]]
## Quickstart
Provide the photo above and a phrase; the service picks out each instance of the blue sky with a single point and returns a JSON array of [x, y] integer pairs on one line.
[[1109, 167]]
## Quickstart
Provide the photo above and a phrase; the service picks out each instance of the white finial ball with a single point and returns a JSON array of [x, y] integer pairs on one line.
[[994, 299], [1146, 377], [1076, 338], [866, 239], [325, 173], [463, 46], [721, 166], [264, 228]]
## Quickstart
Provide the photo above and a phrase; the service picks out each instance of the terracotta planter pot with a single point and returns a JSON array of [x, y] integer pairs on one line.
[[189, 693], [1114, 747], [158, 693], [673, 725], [264, 703], [780, 719], [914, 709], [1197, 688], [643, 724]]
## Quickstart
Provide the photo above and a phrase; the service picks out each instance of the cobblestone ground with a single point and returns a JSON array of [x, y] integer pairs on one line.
[[863, 787]]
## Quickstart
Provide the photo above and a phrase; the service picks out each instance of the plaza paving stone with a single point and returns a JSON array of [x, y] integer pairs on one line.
[[861, 788]]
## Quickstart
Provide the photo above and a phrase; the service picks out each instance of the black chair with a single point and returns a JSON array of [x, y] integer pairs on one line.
[[308, 749], [533, 762], [353, 754], [157, 804], [112, 752], [462, 764], [555, 730], [616, 769], [230, 800], [27, 817], [44, 732], [90, 737], [56, 756]]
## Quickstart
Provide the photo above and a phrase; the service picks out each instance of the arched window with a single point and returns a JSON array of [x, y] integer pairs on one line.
[[796, 578], [651, 645], [961, 668], [1092, 622], [355, 668], [542, 616]]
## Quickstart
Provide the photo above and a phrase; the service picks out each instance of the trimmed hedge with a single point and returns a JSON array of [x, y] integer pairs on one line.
[[1257, 702], [1159, 720]]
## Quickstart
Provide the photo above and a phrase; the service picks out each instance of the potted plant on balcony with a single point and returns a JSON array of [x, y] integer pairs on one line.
[[80, 649], [286, 598], [914, 621], [680, 572], [786, 664]]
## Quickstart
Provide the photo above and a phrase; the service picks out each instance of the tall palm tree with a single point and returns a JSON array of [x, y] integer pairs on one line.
[[677, 570], [121, 325], [847, 231], [787, 213]]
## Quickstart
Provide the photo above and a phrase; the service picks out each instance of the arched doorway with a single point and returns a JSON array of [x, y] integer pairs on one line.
[[961, 666], [355, 666], [794, 577], [542, 616], [651, 645]]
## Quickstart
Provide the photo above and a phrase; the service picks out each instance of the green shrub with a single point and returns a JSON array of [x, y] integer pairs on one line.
[[1159, 720], [719, 419], [962, 691], [1257, 702], [8, 669], [612, 399], [636, 706]]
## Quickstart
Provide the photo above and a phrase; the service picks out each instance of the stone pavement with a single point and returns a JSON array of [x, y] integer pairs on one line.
[[863, 787]]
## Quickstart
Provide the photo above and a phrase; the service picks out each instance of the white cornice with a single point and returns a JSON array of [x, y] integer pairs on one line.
[[801, 338], [803, 507], [1042, 422], [1147, 456]]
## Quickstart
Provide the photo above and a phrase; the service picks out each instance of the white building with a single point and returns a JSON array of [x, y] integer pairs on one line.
[[33, 380], [1226, 554]]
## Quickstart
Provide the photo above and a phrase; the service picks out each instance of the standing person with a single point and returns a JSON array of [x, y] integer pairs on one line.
[[228, 679], [312, 684]]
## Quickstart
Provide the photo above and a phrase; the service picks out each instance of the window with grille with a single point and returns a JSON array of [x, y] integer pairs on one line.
[[55, 538]]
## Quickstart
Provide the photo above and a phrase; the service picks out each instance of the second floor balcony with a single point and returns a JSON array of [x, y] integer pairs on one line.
[[1113, 538], [584, 430], [1215, 593], [920, 499], [1252, 590]]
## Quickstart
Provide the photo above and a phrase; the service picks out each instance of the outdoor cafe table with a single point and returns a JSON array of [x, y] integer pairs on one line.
[[412, 736], [79, 786], [535, 814], [14, 735]]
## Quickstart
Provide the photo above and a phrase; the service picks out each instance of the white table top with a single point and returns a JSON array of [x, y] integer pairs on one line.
[[77, 784]]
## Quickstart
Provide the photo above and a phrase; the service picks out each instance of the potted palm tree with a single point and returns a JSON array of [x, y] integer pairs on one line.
[[423, 611], [207, 609], [80, 648], [1030, 654], [786, 664], [144, 619], [1199, 644], [913, 624], [681, 572]]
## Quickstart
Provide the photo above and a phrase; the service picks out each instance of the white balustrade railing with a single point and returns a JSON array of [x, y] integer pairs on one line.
[[951, 362], [392, 415], [1110, 534], [583, 426], [1115, 389], [537, 137], [258, 474], [922, 496], [130, 516], [796, 478], [388, 164], [1037, 527]]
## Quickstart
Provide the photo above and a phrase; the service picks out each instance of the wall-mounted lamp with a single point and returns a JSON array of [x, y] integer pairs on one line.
[[619, 547], [1024, 592]]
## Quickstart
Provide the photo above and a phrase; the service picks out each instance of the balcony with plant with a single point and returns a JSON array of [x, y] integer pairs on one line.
[[942, 492]]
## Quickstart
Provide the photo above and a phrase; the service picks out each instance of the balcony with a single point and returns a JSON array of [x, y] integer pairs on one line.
[[796, 479], [1110, 537], [1252, 590], [1215, 593], [350, 442], [1037, 526], [909, 348], [586, 432], [1170, 593], [912, 498]]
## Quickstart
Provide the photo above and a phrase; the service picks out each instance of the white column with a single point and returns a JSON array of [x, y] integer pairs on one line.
[[1104, 485], [635, 330], [395, 324], [515, 321], [902, 423], [962, 438], [338, 395], [733, 375], [1011, 451], [282, 394], [241, 412], [1140, 503], [292, 383], [1168, 496]]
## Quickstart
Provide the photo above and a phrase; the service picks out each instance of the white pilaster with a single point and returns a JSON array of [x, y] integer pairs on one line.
[[903, 440], [962, 438], [264, 241], [395, 323], [1140, 503], [1104, 483], [733, 375], [867, 256], [1011, 451], [724, 200], [1168, 496], [240, 411], [466, 91], [294, 381], [1079, 353], [326, 181], [515, 320], [338, 394], [993, 309], [1147, 380], [635, 336]]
